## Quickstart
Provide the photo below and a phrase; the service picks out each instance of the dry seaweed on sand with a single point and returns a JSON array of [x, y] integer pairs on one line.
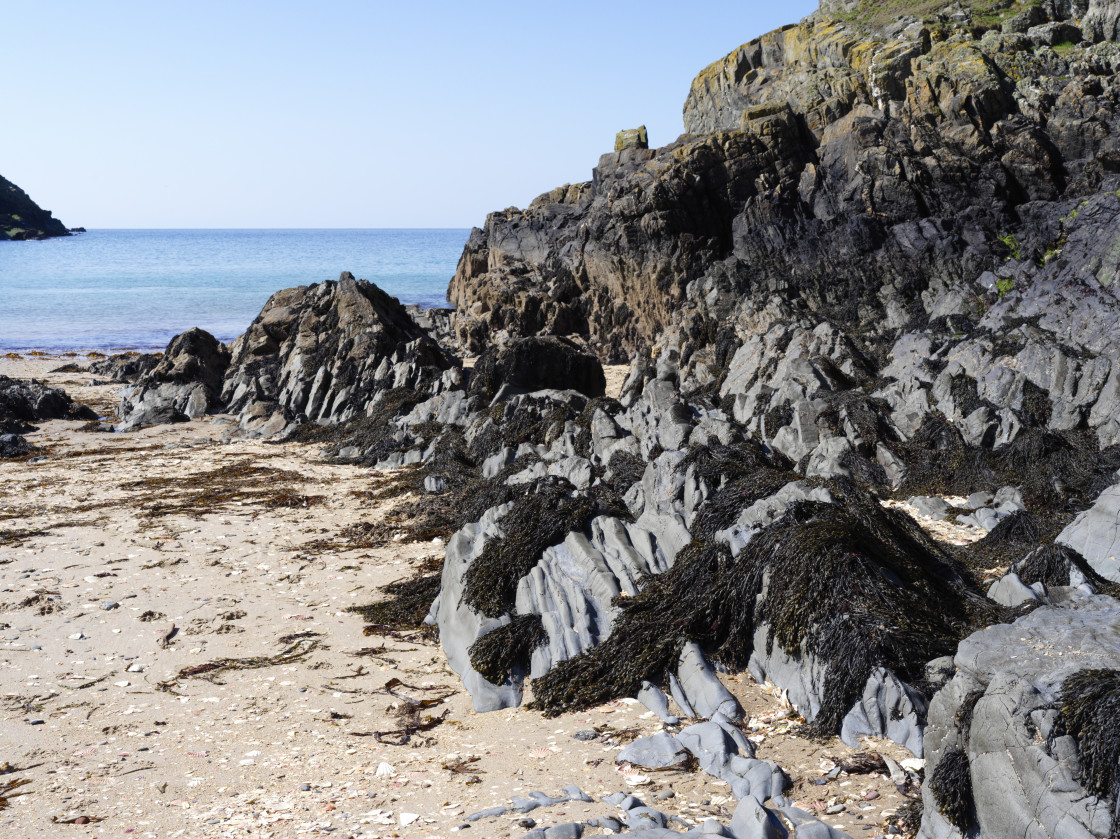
[[502, 653], [1089, 708], [547, 513], [16, 537], [407, 602], [407, 710], [209, 671], [855, 585], [233, 484], [7, 792], [951, 785]]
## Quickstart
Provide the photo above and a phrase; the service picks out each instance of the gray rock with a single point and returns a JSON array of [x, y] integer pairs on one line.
[[185, 383], [658, 751], [1095, 534], [1021, 787], [930, 506]]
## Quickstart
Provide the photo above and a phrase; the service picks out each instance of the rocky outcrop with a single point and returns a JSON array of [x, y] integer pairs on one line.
[[22, 218], [185, 383], [860, 172], [323, 353], [883, 261], [25, 402]]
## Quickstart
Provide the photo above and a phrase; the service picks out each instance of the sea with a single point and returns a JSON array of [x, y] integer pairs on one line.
[[136, 289]]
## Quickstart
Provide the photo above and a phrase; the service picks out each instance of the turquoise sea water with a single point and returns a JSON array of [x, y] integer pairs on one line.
[[112, 289]]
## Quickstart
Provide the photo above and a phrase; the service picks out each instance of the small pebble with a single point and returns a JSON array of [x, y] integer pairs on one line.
[[38, 722], [307, 788], [871, 795], [586, 734], [835, 809], [528, 824]]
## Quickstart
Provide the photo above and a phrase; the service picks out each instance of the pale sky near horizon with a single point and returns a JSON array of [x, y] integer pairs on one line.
[[340, 113]]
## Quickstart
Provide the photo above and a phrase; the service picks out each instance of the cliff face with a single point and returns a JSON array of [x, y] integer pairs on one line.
[[859, 163], [22, 218]]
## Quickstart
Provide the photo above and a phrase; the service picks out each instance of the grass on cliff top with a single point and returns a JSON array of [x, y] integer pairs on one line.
[[876, 14]]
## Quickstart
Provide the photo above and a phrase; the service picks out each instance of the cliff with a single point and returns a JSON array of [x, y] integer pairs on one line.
[[22, 218], [856, 162]]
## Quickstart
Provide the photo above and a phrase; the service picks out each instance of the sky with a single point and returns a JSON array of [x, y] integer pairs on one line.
[[336, 113]]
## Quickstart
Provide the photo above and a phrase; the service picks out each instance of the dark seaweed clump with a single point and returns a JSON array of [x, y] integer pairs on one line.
[[541, 518], [1090, 707], [951, 785], [1058, 473], [500, 653], [1051, 565], [856, 585]]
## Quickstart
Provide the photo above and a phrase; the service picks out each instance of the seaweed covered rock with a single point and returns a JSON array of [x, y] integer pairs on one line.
[[186, 382], [539, 363], [1006, 757], [125, 367], [841, 603], [323, 353]]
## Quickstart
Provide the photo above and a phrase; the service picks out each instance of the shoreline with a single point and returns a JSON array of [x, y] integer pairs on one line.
[[280, 749]]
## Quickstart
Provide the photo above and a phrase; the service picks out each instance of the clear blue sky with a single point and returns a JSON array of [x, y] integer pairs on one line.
[[340, 114]]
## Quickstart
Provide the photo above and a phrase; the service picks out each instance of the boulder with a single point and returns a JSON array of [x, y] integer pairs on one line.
[[323, 353], [185, 383], [125, 367]]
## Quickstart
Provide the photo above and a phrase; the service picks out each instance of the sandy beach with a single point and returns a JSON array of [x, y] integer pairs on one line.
[[176, 659]]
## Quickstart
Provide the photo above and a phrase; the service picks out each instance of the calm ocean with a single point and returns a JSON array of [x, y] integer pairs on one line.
[[112, 289]]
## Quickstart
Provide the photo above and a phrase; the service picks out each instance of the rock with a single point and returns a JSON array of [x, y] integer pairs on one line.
[[632, 138], [24, 402], [12, 445], [540, 363], [125, 367], [934, 508], [185, 383], [22, 218], [1102, 21], [1095, 534], [327, 352], [997, 711]]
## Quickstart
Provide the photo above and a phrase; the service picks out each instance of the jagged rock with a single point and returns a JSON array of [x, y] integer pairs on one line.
[[22, 218], [1023, 773], [324, 353], [185, 383], [1102, 21], [125, 367], [540, 363]]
